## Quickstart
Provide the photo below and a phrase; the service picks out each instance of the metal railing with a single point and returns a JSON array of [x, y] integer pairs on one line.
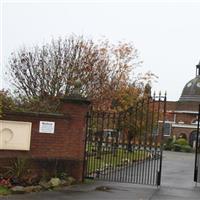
[[126, 146]]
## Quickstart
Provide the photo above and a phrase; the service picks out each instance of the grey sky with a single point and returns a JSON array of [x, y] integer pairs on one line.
[[166, 33]]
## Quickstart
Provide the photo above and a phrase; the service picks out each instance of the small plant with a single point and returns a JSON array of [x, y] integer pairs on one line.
[[88, 181], [5, 182], [4, 190], [16, 170], [31, 177], [62, 175]]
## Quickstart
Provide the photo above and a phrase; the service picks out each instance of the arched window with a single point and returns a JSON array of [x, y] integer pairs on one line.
[[182, 135], [193, 137]]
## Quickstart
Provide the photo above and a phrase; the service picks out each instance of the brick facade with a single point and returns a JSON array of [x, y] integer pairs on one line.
[[179, 131], [67, 143], [182, 115]]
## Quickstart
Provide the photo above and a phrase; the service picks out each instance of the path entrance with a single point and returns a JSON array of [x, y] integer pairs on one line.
[[178, 169]]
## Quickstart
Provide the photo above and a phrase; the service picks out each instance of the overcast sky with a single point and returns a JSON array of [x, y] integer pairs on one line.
[[166, 33]]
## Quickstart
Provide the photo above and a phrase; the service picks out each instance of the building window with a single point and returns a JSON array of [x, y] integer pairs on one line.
[[155, 131], [195, 121], [167, 129]]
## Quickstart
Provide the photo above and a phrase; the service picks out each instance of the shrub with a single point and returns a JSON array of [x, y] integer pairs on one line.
[[168, 147], [168, 144], [16, 170], [180, 145], [186, 148], [169, 141], [176, 147], [181, 141]]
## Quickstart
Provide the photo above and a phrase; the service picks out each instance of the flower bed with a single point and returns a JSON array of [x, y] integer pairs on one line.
[[19, 178]]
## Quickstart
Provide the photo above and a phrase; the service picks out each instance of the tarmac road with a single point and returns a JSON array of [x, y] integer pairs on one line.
[[178, 170], [177, 184]]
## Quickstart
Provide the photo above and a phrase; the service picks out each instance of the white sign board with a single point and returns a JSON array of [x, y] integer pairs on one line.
[[15, 135], [47, 127]]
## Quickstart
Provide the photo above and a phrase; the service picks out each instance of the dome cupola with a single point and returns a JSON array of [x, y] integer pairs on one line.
[[191, 91]]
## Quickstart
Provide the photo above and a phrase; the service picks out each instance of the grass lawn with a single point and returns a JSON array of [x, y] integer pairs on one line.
[[4, 190], [109, 159]]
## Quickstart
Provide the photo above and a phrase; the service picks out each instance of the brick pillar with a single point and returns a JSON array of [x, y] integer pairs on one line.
[[76, 108]]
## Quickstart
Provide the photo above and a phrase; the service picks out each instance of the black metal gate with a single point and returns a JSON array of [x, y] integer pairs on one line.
[[197, 153], [126, 146]]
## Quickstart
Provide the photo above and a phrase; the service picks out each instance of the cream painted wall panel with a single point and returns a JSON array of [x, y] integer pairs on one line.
[[15, 135]]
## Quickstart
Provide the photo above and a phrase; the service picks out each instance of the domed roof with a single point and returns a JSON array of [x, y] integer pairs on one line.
[[191, 91]]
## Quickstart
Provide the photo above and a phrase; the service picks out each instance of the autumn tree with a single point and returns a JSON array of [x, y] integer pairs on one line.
[[133, 102], [42, 75], [7, 102]]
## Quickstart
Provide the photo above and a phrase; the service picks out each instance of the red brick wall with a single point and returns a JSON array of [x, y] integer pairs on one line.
[[186, 118], [67, 143], [178, 131], [194, 106], [171, 105]]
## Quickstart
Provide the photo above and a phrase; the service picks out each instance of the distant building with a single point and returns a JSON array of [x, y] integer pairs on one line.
[[181, 115]]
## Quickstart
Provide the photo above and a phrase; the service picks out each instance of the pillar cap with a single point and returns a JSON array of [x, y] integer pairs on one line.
[[75, 99]]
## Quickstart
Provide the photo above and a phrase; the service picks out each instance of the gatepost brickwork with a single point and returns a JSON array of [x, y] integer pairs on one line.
[[67, 144]]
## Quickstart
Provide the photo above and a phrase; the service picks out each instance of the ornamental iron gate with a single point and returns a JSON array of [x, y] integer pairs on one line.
[[126, 146], [197, 153]]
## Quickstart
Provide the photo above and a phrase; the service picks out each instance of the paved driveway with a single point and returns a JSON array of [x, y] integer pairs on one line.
[[178, 170], [177, 184]]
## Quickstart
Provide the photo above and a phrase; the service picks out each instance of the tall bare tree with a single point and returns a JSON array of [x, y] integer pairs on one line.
[[50, 71]]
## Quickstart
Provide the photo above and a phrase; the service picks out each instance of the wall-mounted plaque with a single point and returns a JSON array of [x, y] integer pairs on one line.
[[15, 135], [47, 127]]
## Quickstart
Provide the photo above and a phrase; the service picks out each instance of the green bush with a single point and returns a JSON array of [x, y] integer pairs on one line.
[[168, 147], [180, 145], [186, 148], [181, 141], [169, 141], [168, 144], [176, 147]]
